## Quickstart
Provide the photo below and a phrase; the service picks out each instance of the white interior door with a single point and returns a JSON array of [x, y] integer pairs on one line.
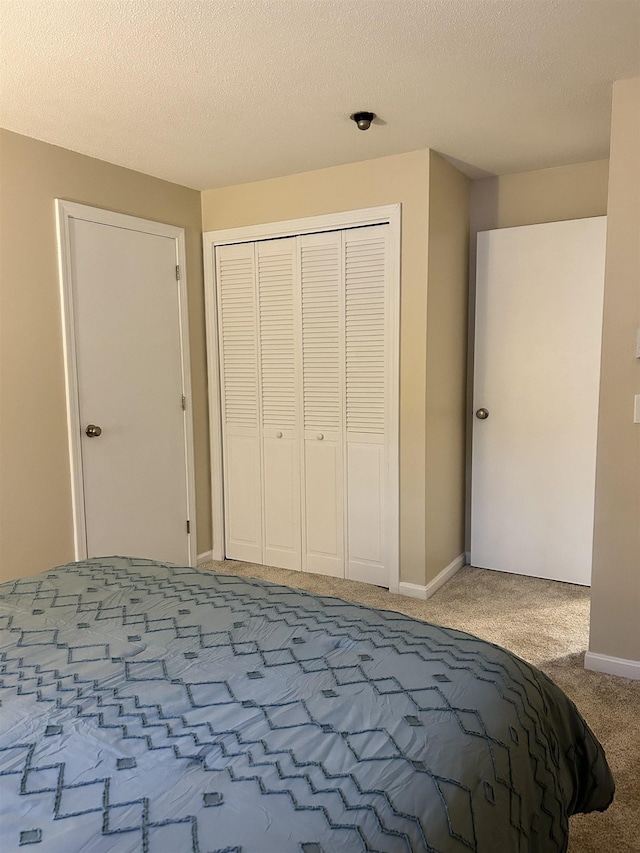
[[125, 339], [537, 365]]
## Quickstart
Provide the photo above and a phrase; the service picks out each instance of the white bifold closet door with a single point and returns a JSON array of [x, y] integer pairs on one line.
[[343, 278], [258, 342], [304, 401]]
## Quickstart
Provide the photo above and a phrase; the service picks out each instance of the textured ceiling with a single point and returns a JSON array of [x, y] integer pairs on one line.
[[216, 92]]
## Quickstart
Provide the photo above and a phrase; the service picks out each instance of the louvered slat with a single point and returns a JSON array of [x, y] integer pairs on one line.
[[277, 334], [320, 270], [365, 334], [238, 337]]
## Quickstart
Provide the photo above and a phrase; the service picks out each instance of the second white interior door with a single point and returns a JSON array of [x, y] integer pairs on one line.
[[537, 367]]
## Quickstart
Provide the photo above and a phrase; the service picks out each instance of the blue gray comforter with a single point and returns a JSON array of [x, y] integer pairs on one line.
[[147, 707]]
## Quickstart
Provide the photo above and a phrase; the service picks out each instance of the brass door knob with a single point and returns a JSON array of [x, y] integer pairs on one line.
[[93, 431]]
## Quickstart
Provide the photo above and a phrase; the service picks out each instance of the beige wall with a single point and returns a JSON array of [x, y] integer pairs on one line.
[[527, 198], [35, 491], [546, 195], [447, 297], [615, 600], [401, 178]]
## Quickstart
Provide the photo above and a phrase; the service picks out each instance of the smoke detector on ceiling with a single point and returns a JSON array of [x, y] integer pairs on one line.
[[363, 119]]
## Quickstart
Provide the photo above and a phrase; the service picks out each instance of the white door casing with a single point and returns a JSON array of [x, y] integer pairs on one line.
[[537, 365], [127, 371], [323, 485]]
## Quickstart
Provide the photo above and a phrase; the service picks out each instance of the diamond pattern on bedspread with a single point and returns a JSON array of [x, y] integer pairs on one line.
[[157, 708]]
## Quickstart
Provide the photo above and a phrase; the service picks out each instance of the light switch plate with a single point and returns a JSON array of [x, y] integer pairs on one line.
[[636, 409]]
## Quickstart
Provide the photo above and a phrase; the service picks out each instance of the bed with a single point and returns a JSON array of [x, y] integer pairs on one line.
[[150, 707]]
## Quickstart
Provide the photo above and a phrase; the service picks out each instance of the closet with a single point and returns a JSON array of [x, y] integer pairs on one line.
[[306, 330]]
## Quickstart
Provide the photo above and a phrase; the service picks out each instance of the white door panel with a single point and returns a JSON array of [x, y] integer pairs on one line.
[[243, 497], [279, 360], [366, 558], [282, 536], [281, 461], [322, 322], [128, 357], [324, 505], [240, 394], [366, 381], [537, 365]]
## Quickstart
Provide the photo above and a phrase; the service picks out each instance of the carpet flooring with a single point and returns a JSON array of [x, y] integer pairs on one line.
[[547, 624]]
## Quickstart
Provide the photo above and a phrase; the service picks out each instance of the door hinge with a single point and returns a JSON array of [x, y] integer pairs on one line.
[[184, 403], [188, 526], [177, 272]]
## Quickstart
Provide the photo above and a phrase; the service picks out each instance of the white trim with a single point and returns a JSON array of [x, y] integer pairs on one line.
[[73, 210], [414, 590], [612, 666], [205, 557], [66, 210], [386, 214], [185, 354], [63, 214], [215, 405], [392, 425], [308, 225]]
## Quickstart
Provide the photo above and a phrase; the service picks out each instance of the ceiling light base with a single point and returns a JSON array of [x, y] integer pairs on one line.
[[363, 119]]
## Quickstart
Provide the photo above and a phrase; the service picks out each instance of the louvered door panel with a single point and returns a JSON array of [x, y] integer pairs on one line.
[[365, 401], [365, 268], [236, 294], [237, 321], [278, 358], [276, 261], [321, 273], [322, 304]]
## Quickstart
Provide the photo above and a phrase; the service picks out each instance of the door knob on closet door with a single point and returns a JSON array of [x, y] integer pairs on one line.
[[482, 414], [320, 436], [278, 434], [93, 431]]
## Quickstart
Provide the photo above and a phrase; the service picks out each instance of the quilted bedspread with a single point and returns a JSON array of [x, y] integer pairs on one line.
[[147, 707]]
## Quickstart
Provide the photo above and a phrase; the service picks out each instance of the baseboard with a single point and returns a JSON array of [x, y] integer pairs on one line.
[[414, 590], [612, 666], [204, 558]]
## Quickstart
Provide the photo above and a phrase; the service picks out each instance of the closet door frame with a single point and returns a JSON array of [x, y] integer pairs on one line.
[[385, 215]]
